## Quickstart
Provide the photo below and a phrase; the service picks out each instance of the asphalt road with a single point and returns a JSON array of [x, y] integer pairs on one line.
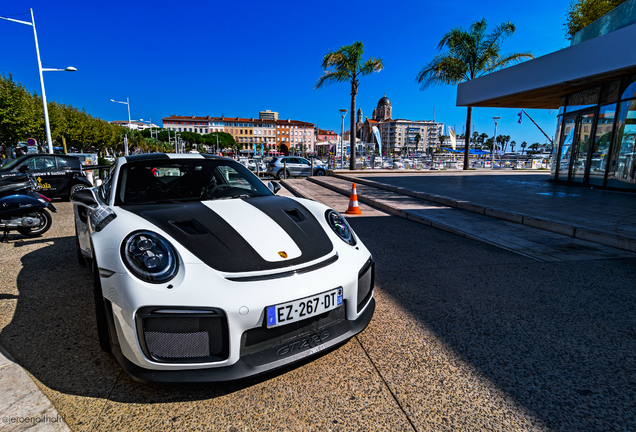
[[465, 337]]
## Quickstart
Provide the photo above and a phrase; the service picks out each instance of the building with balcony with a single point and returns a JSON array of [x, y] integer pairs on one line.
[[399, 136], [268, 115], [288, 135]]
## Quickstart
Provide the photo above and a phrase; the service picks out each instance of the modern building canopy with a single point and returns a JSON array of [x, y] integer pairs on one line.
[[545, 81], [592, 83]]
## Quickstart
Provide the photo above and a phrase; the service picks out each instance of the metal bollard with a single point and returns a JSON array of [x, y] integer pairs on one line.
[[285, 169]]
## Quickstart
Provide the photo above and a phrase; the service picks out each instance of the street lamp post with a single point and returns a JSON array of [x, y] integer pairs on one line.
[[40, 70], [343, 113], [494, 141], [127, 103]]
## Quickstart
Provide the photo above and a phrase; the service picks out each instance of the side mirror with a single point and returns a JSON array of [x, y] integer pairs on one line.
[[24, 168], [273, 186], [85, 198]]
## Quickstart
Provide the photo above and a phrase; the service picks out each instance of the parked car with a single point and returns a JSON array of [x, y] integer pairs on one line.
[[296, 167], [393, 165], [209, 276], [57, 175]]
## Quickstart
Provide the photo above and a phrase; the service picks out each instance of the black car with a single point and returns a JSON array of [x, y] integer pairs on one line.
[[57, 175]]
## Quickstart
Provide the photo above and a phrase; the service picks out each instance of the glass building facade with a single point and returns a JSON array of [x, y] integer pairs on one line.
[[596, 133]]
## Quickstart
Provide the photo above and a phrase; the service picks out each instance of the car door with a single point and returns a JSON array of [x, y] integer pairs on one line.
[[304, 167], [293, 166], [44, 169]]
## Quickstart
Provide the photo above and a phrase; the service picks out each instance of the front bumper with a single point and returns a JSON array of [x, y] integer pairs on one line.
[[302, 346]]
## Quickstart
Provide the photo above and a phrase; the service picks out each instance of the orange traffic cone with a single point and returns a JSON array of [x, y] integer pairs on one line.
[[353, 202]]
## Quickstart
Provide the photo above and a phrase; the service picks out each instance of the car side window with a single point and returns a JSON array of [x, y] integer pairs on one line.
[[304, 161], [44, 162], [62, 163], [105, 188], [292, 160], [30, 163]]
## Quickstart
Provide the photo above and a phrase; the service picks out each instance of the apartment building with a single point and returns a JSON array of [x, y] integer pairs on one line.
[[398, 135], [288, 135]]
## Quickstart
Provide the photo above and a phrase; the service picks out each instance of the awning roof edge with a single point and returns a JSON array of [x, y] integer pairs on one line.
[[542, 82]]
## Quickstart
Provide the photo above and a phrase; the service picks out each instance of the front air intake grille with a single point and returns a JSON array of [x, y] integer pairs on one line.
[[366, 281], [183, 335], [302, 334]]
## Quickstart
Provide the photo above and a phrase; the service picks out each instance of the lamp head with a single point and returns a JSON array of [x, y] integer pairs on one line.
[[71, 69]]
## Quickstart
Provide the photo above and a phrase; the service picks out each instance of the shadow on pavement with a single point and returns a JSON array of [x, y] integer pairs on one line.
[[558, 338], [53, 336]]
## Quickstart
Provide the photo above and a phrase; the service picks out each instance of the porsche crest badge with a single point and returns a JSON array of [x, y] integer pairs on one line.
[[283, 254]]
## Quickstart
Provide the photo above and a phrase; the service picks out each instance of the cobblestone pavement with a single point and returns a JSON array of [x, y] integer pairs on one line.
[[466, 336]]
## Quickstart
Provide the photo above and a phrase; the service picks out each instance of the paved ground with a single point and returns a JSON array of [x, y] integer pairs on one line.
[[466, 336], [598, 210], [527, 240]]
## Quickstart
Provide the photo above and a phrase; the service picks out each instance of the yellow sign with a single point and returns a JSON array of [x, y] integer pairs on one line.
[[42, 185]]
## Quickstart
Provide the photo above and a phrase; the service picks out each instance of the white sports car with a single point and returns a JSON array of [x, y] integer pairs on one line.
[[201, 273]]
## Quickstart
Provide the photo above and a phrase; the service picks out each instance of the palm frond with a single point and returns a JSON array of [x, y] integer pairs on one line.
[[503, 61], [443, 69], [371, 65]]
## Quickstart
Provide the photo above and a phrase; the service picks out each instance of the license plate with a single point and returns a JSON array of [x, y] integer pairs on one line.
[[286, 313]]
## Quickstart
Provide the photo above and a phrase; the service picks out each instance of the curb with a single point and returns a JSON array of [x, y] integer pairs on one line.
[[22, 403], [520, 218]]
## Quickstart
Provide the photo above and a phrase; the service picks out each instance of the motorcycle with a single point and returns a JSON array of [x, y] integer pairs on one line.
[[22, 208]]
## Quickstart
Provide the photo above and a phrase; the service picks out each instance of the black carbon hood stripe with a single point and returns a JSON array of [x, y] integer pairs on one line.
[[216, 243]]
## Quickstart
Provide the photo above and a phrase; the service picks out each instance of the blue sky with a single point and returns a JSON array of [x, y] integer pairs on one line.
[[238, 58]]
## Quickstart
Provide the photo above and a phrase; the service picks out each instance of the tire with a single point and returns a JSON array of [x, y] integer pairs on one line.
[[45, 223], [281, 174], [101, 317], [75, 188], [320, 172]]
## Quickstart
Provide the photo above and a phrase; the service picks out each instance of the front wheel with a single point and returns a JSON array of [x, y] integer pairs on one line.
[[320, 172], [45, 223], [281, 174], [75, 188]]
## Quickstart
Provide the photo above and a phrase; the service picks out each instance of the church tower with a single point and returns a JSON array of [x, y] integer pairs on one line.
[[359, 123], [384, 110]]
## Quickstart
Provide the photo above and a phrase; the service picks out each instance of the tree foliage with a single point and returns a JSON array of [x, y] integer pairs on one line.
[[582, 13], [22, 117]]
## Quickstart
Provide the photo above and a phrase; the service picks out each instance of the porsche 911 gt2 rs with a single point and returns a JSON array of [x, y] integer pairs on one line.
[[202, 273]]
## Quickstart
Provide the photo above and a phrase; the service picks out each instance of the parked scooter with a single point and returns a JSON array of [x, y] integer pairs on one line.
[[22, 208]]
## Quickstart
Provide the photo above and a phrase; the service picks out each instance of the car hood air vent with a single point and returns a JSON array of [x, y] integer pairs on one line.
[[191, 227], [295, 215]]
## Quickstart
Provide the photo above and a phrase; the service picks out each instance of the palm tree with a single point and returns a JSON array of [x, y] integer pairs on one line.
[[418, 138], [523, 147], [470, 55], [512, 145], [475, 139], [346, 65]]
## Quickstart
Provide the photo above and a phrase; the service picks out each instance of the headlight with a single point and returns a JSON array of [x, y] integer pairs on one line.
[[340, 226], [149, 257]]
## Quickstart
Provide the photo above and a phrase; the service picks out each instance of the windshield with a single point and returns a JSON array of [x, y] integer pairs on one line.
[[172, 180]]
